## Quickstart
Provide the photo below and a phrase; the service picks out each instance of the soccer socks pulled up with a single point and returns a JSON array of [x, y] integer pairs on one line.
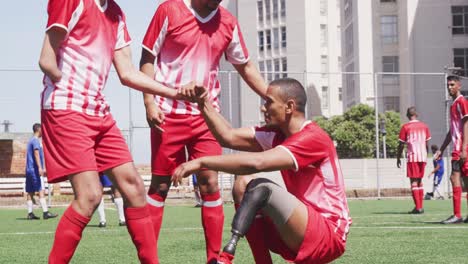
[[415, 194], [29, 203], [156, 208], [120, 209], [212, 220], [457, 191], [140, 227], [101, 212], [67, 236], [421, 195], [43, 203]]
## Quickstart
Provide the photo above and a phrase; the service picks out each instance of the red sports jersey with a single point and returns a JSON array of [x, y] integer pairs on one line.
[[317, 180], [85, 56], [188, 48], [458, 111], [415, 134]]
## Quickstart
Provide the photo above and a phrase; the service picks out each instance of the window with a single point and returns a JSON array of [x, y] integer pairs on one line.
[[284, 67], [276, 39], [339, 63], [267, 10], [261, 41], [283, 37], [389, 29], [390, 64], [349, 38], [340, 94], [388, 1], [283, 8], [391, 103], [261, 68], [460, 59], [323, 7], [324, 97], [268, 39], [349, 81], [324, 65], [260, 10], [269, 71], [277, 69], [323, 36], [275, 9], [459, 20]]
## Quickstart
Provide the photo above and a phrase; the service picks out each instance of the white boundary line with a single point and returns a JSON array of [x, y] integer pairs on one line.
[[405, 228]]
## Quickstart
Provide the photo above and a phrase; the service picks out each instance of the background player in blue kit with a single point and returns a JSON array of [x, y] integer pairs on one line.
[[438, 173], [118, 201], [34, 171]]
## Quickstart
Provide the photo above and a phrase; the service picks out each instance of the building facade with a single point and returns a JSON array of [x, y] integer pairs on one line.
[[390, 36]]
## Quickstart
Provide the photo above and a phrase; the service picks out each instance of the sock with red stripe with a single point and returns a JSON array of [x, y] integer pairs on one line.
[[457, 191], [226, 258], [254, 237], [156, 208], [67, 236], [140, 227], [212, 220]]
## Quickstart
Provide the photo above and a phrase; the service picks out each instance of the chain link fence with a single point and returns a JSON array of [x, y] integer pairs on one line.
[[329, 95]]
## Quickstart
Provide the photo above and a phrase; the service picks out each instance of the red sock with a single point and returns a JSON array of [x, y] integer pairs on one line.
[[140, 227], [415, 193], [421, 195], [212, 220], [457, 191], [225, 258], [67, 236], [254, 237], [156, 208]]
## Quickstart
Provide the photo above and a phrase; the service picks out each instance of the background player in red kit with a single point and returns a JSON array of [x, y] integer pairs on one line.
[[458, 136], [415, 134], [308, 221], [185, 42], [83, 38]]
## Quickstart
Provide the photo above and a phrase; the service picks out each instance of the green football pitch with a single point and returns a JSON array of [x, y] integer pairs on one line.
[[382, 232]]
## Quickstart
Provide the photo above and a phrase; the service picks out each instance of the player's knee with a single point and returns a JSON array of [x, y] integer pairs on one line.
[[208, 181], [238, 190]]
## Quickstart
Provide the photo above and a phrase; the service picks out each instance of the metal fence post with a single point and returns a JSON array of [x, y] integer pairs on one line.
[[377, 149]]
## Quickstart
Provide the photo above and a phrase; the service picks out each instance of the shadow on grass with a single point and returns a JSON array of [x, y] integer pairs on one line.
[[26, 219], [391, 213]]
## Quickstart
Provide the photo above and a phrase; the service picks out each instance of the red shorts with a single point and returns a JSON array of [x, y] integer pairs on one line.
[[415, 169], [168, 148], [321, 244], [75, 142]]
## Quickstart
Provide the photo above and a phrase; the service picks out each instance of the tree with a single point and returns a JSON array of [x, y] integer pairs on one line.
[[354, 132]]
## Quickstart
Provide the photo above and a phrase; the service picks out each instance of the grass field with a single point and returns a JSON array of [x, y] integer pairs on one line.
[[382, 232]]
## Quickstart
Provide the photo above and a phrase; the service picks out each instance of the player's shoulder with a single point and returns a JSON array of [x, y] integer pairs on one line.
[[312, 131], [171, 6], [114, 8], [226, 17]]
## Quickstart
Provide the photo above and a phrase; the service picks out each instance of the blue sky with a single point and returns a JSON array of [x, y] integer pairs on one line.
[[22, 26]]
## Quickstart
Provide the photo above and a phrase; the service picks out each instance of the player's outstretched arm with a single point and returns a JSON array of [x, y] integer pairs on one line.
[[447, 140], [252, 77], [131, 77], [48, 59], [227, 136], [239, 164]]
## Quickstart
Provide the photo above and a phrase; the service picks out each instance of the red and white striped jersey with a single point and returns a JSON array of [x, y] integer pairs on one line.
[[317, 180], [94, 32], [415, 134], [188, 48], [458, 111]]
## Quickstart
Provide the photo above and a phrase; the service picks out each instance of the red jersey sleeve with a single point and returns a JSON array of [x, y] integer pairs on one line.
[[308, 147], [64, 13], [123, 37], [402, 136], [157, 30], [236, 52]]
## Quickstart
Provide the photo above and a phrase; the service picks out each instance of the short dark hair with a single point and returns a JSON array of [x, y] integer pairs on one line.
[[292, 89], [453, 78], [36, 127], [411, 111], [434, 147]]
